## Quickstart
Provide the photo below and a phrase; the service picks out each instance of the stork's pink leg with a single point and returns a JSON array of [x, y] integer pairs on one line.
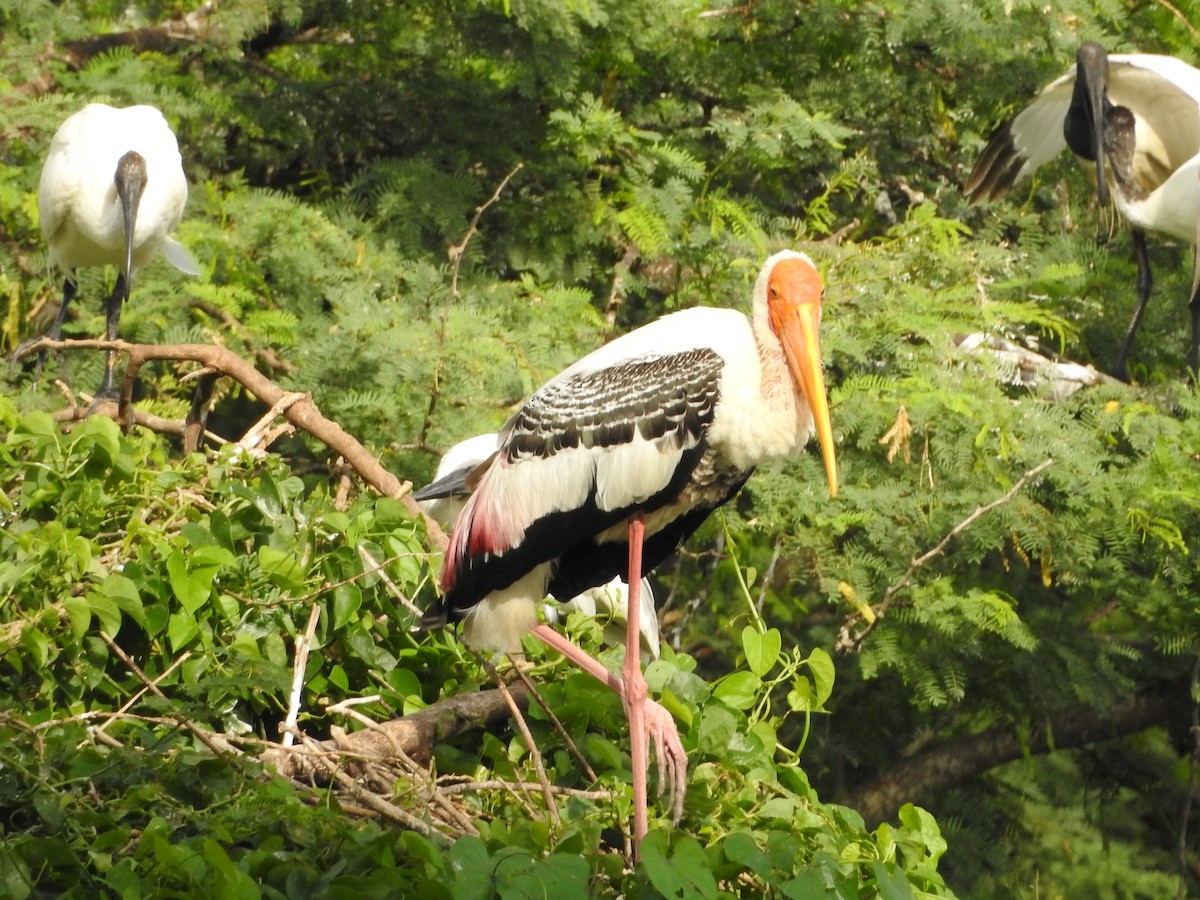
[[636, 690], [647, 719]]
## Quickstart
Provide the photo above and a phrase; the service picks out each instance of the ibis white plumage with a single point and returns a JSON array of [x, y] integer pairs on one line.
[[112, 191], [1156, 101], [609, 466], [445, 497]]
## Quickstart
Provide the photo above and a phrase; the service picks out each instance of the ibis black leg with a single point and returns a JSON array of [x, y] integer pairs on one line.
[[1194, 351], [1145, 282], [119, 295], [70, 288]]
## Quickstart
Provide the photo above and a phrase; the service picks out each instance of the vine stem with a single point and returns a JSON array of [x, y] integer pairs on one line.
[[755, 615]]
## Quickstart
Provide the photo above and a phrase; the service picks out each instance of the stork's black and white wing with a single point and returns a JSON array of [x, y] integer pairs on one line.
[[577, 458]]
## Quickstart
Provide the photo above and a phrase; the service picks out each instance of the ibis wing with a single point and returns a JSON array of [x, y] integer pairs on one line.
[[1028, 140]]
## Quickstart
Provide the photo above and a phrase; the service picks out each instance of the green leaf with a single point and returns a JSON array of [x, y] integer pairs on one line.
[[191, 587], [717, 727], [890, 884], [181, 630], [761, 648], [124, 593], [820, 665], [79, 613], [282, 568], [738, 689], [347, 598]]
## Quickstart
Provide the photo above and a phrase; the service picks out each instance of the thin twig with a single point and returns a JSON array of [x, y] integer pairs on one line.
[[464, 787], [534, 752], [179, 661], [254, 438], [303, 646], [572, 747], [374, 801], [208, 739], [391, 585], [456, 253], [416, 773], [849, 641]]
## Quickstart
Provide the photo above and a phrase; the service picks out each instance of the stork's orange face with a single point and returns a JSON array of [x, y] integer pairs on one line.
[[794, 290]]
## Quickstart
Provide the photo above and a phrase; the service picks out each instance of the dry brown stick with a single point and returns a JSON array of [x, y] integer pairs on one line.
[[569, 741], [303, 646], [125, 707], [213, 742], [848, 641], [451, 813], [415, 734], [534, 753], [303, 413], [374, 801], [456, 251], [499, 784], [391, 585], [157, 424]]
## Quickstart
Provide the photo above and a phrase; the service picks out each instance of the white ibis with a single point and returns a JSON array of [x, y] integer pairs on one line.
[[615, 461], [447, 494], [111, 193], [1158, 191]]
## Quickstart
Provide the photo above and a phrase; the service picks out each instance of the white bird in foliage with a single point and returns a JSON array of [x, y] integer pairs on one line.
[[111, 193], [444, 498], [1154, 101], [615, 461]]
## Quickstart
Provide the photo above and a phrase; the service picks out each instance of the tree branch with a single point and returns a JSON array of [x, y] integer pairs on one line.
[[413, 735], [302, 413], [953, 763]]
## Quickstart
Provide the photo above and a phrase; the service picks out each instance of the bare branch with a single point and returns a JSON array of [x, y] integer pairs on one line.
[[303, 413], [414, 734], [217, 745], [940, 768], [303, 646], [849, 641], [456, 252]]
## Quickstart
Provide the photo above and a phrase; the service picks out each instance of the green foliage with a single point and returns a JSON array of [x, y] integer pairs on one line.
[[341, 159]]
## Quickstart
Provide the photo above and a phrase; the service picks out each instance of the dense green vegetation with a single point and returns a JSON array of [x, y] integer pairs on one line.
[[972, 673]]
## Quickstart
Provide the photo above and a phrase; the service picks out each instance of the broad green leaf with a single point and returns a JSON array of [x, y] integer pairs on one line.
[[820, 666], [738, 689], [181, 630], [761, 648]]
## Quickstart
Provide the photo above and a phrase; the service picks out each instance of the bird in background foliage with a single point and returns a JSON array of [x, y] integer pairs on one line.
[[1136, 118], [443, 500], [611, 464], [112, 191]]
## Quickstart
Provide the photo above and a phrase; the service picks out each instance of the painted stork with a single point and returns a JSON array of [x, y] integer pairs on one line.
[[611, 464], [444, 498], [111, 193], [1156, 99]]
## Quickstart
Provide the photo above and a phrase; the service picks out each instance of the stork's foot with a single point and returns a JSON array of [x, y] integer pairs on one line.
[[672, 759]]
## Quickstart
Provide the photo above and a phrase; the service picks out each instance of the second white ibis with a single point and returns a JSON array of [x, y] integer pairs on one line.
[[1155, 100], [609, 466], [112, 191]]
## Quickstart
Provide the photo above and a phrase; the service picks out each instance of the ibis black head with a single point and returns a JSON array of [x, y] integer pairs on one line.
[[1084, 124], [130, 179]]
